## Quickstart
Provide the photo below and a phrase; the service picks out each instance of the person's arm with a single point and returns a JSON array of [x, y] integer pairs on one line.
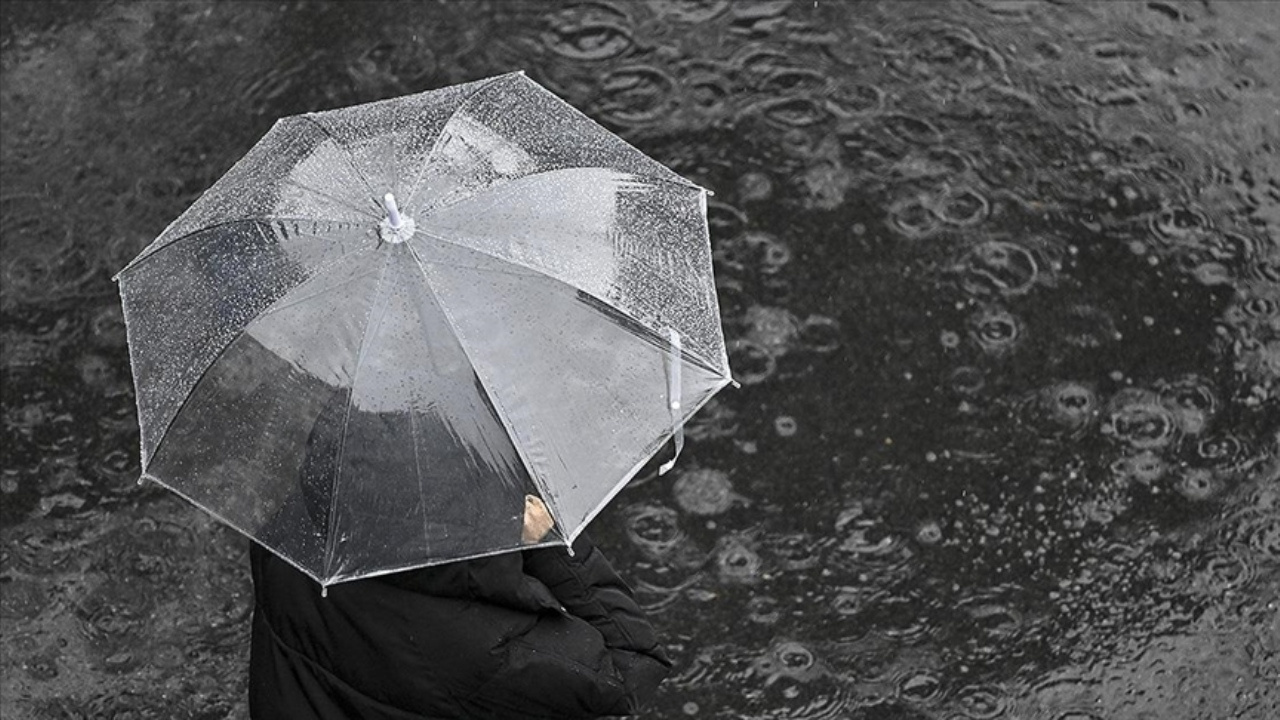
[[598, 657]]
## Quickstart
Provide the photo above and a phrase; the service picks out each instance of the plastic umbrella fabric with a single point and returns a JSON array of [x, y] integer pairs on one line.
[[388, 323]]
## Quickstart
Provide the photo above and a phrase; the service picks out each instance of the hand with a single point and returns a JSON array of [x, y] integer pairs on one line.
[[537, 520]]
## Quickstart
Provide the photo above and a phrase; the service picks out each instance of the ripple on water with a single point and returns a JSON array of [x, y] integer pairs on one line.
[[1069, 407], [689, 11], [705, 491], [913, 216], [752, 363], [1180, 224], [635, 95], [736, 561], [997, 331], [1086, 326], [998, 268], [1198, 484], [920, 686], [981, 702], [655, 529], [113, 617], [1144, 467], [1192, 401], [1139, 419], [962, 206], [595, 32]]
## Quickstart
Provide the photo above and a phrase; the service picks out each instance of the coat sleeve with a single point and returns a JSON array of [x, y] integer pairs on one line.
[[600, 656]]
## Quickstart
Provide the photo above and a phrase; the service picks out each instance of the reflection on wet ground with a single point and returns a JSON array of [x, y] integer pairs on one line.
[[1001, 281]]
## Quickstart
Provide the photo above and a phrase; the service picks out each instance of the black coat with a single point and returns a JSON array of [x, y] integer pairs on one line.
[[537, 634]]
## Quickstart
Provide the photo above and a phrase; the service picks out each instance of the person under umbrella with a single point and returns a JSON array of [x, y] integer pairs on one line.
[[533, 634]]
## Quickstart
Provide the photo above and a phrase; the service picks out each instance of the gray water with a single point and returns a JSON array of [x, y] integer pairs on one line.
[[1001, 280]]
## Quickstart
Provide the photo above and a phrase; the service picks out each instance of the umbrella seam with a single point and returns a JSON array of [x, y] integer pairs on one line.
[[350, 157], [658, 444], [435, 144], [507, 425], [491, 188], [223, 351], [187, 236], [342, 442], [656, 338]]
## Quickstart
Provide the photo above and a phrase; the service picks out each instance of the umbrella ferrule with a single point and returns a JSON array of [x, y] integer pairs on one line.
[[394, 228]]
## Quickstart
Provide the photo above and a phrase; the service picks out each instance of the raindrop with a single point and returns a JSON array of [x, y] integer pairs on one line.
[[107, 327], [981, 702], [754, 187], [1192, 401], [1265, 538], [1198, 484], [794, 81], [752, 363], [736, 562], [689, 11], [1138, 418], [962, 206], [913, 217], [772, 328], [1145, 467], [707, 90], [635, 95], [654, 529], [1223, 450], [724, 220], [794, 551], [1179, 223], [995, 330], [967, 380], [791, 112], [997, 267], [911, 129], [820, 334], [1226, 570], [1086, 326], [588, 39], [919, 686], [764, 610], [715, 420], [929, 533], [705, 491]]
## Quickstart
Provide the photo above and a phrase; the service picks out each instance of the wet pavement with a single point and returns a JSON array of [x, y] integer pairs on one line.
[[1001, 280]]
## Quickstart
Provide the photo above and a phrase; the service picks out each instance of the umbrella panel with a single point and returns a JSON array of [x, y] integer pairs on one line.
[[390, 458]]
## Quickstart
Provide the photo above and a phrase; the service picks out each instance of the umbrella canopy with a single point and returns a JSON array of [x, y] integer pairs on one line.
[[388, 323]]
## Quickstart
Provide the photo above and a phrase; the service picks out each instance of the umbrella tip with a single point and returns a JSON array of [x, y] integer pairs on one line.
[[393, 212], [395, 228]]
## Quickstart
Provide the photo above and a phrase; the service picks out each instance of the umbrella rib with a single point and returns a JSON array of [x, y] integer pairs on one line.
[[369, 331], [240, 333], [350, 160], [226, 223], [649, 333], [435, 144], [497, 406]]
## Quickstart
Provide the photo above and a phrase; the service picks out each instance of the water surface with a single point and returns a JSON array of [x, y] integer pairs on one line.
[[1001, 280]]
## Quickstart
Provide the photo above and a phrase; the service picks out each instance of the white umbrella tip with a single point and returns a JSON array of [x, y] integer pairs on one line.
[[393, 212]]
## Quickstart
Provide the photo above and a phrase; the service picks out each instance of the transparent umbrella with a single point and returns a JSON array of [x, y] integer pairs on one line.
[[388, 323]]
